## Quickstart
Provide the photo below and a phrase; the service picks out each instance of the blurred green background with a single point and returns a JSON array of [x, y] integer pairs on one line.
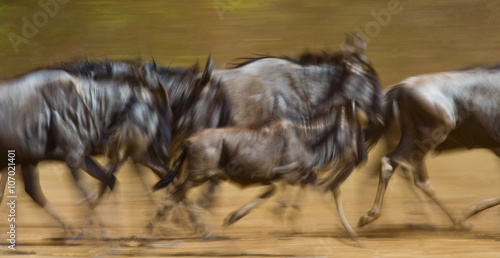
[[423, 36]]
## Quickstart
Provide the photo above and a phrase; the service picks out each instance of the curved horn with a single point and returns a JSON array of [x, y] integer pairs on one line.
[[195, 67], [348, 45], [207, 73], [155, 66], [359, 43]]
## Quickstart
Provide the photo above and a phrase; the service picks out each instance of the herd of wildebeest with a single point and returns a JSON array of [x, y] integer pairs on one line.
[[308, 121]]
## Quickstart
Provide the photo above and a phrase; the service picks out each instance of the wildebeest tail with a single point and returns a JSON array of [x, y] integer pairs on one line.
[[374, 132], [167, 179]]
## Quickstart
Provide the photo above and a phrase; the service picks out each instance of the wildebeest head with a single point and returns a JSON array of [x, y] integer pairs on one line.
[[352, 77], [362, 82], [159, 104], [184, 86]]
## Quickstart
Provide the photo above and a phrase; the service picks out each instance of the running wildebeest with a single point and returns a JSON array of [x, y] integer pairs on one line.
[[287, 148], [67, 114], [441, 111], [183, 86], [265, 86]]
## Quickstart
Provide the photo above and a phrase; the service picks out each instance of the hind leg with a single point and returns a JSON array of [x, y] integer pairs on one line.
[[172, 200], [283, 201], [295, 205], [33, 189], [483, 204], [422, 181], [243, 211], [480, 206], [164, 208], [207, 197]]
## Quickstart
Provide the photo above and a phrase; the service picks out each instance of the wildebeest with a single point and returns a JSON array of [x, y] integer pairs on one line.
[[183, 86], [440, 111], [287, 148], [266, 86], [68, 112]]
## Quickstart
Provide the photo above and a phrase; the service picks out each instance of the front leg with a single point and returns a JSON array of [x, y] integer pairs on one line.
[[340, 212], [386, 172], [34, 190], [243, 211]]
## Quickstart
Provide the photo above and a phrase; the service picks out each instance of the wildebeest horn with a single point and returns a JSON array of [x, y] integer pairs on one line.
[[348, 45], [155, 66], [195, 67], [354, 43], [360, 44], [207, 73]]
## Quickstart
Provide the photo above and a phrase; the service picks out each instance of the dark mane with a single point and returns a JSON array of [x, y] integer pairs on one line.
[[339, 60], [177, 71], [306, 58], [495, 66], [101, 69]]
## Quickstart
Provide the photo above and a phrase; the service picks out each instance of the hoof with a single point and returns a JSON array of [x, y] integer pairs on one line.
[[469, 212], [352, 240], [366, 220], [467, 227], [209, 236], [229, 220], [79, 235], [150, 227]]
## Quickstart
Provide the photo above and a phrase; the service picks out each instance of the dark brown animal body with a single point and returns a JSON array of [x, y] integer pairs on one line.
[[273, 86], [441, 111], [285, 149]]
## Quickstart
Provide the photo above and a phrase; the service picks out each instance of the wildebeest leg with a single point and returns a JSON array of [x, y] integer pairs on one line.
[[386, 172], [152, 162], [196, 220], [34, 190], [164, 207], [483, 204], [95, 170], [480, 206], [288, 199], [207, 196], [340, 211], [111, 167], [422, 207], [243, 211], [283, 200], [295, 205], [177, 195], [422, 181], [87, 195]]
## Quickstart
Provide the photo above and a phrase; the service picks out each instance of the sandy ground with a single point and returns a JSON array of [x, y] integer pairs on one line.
[[407, 227]]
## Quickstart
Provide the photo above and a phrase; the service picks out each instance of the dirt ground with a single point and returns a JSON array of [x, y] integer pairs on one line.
[[406, 228]]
